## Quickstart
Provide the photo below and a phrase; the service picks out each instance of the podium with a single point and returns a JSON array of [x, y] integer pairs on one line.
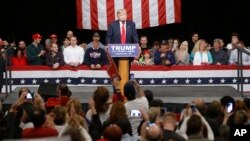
[[123, 52]]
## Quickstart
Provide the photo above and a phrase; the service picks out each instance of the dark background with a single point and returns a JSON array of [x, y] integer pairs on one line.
[[210, 18]]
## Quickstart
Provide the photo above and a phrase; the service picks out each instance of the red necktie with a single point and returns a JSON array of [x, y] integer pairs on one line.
[[123, 34]]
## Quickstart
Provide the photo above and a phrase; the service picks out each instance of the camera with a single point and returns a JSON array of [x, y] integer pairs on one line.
[[193, 107], [132, 76], [229, 107], [135, 113], [163, 110], [30, 96]]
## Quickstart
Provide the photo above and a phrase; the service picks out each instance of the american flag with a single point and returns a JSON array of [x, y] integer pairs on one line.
[[98, 14], [145, 75]]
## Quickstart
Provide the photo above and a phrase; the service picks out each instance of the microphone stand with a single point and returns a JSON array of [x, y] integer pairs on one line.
[[7, 54]]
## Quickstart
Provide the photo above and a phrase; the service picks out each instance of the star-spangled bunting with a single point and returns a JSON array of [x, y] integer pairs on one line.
[[141, 81]]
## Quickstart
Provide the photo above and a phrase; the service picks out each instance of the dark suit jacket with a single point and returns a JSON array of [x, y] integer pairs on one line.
[[113, 35]]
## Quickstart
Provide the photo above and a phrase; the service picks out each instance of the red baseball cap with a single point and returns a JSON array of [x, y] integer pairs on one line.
[[53, 36], [36, 36]]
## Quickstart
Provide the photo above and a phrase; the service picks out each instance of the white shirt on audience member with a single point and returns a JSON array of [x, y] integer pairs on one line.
[[140, 103], [233, 58], [73, 54]]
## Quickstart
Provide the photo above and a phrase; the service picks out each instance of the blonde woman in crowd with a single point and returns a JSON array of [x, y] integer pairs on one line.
[[200, 54], [182, 55]]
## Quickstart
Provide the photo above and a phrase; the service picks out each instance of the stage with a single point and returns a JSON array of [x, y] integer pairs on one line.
[[174, 97], [175, 85]]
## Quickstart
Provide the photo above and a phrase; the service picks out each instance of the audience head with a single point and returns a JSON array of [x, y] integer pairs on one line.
[[59, 114], [96, 36], [54, 47], [213, 109], [194, 125], [154, 133], [234, 38], [169, 121], [73, 41], [77, 106], [100, 97], [184, 46], [63, 90], [156, 45], [70, 34], [22, 45], [240, 117], [156, 103], [23, 89], [149, 95], [37, 38], [112, 133], [129, 90], [153, 114], [25, 112], [74, 133], [200, 105], [38, 117], [195, 37]]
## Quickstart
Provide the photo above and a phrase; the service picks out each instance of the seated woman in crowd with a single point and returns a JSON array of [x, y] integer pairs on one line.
[[54, 58], [19, 59], [200, 54], [182, 55], [176, 44], [146, 59]]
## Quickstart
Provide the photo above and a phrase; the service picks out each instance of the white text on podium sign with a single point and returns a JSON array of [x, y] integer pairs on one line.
[[123, 50]]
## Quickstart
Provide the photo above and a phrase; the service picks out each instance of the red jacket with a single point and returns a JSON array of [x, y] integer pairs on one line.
[[19, 61], [39, 132]]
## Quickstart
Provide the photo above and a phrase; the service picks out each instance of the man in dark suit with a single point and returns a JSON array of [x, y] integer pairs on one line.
[[116, 34]]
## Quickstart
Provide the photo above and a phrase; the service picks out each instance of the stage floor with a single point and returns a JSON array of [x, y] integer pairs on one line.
[[170, 95]]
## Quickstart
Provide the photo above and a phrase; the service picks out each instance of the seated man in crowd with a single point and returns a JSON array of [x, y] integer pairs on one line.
[[54, 58], [73, 54], [233, 58], [35, 51], [220, 57], [96, 40], [95, 57], [164, 56]]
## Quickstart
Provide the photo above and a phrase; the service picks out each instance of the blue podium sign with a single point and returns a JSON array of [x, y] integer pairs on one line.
[[123, 50]]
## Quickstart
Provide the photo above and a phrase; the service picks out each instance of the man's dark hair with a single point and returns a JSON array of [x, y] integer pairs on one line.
[[227, 99], [156, 103], [194, 125], [39, 117], [149, 95], [235, 34], [129, 90]]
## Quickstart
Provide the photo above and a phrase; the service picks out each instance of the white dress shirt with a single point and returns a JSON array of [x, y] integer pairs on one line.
[[73, 54]]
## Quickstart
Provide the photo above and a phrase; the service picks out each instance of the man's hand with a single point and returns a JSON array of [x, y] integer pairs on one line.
[[41, 53], [55, 66], [92, 66], [167, 62], [98, 66]]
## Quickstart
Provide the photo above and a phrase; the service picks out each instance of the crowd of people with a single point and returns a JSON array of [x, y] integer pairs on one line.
[[165, 52], [134, 116]]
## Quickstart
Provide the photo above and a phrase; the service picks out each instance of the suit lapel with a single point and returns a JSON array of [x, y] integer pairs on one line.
[[119, 30]]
